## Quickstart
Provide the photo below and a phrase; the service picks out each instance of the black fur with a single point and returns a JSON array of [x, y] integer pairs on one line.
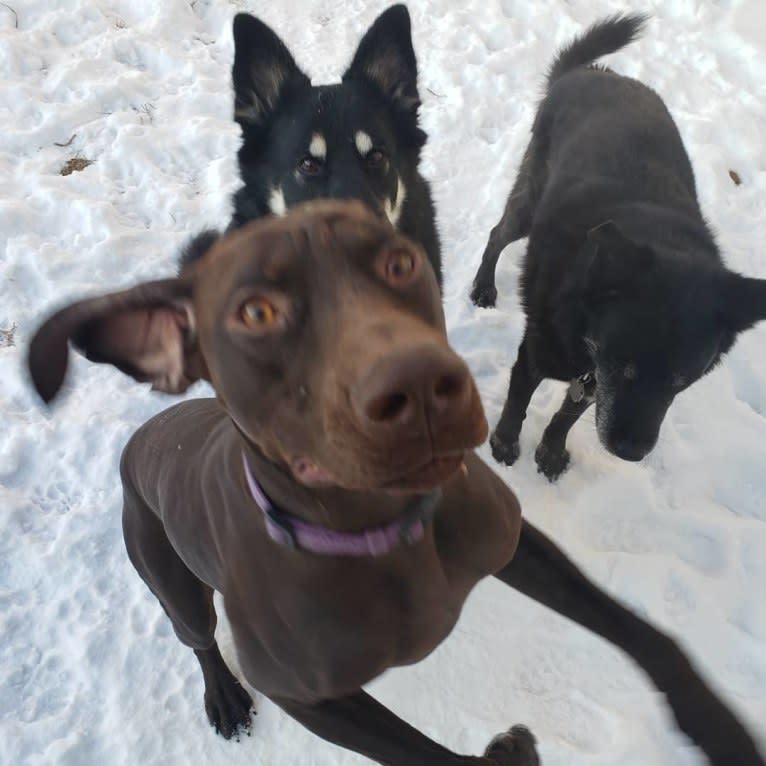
[[197, 246], [280, 111], [605, 37], [622, 279]]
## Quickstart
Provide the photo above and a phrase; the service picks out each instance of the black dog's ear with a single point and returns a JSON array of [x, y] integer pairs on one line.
[[616, 262], [743, 301], [147, 332], [263, 71], [386, 58]]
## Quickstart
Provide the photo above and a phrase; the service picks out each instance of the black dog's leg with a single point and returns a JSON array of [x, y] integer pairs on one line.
[[188, 602], [552, 456], [524, 380], [515, 224], [541, 571], [360, 723]]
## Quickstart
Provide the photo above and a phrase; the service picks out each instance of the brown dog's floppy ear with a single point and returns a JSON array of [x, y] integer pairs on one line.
[[743, 301], [386, 58], [147, 332]]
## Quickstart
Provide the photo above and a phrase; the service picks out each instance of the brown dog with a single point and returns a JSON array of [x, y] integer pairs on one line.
[[329, 492]]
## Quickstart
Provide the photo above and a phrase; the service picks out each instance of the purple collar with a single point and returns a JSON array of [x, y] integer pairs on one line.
[[286, 529]]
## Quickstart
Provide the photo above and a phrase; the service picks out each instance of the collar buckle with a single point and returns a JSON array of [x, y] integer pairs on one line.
[[582, 387]]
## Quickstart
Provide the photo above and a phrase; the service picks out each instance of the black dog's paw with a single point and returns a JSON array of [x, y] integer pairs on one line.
[[514, 748], [484, 296], [550, 462], [229, 708], [504, 453]]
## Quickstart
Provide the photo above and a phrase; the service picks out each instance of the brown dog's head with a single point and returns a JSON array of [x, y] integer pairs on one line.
[[323, 336]]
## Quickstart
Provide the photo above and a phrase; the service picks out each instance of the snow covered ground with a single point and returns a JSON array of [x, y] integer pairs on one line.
[[90, 672]]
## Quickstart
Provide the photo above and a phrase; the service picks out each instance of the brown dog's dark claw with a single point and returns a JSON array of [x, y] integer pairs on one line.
[[515, 747], [230, 710]]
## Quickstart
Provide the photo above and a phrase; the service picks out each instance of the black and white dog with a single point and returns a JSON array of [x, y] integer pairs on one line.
[[623, 286], [359, 139]]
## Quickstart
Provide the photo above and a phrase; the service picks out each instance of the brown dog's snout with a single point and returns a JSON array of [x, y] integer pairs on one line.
[[404, 386]]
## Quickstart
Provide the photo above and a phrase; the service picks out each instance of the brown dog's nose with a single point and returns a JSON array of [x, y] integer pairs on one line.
[[402, 386]]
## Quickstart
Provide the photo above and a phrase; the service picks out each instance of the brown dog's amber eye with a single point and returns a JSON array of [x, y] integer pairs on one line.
[[258, 312], [400, 265]]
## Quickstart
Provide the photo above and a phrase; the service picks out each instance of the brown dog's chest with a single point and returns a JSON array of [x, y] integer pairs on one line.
[[314, 627], [337, 630]]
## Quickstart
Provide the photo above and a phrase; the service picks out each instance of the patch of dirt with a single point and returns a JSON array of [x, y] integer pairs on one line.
[[75, 164]]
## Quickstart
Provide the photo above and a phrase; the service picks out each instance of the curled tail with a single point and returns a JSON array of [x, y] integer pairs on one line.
[[603, 37]]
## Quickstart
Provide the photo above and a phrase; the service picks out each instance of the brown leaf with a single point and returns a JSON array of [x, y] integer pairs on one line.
[[75, 164]]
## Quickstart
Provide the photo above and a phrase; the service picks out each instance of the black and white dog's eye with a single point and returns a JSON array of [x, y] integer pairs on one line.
[[679, 381], [375, 158], [310, 166], [630, 372]]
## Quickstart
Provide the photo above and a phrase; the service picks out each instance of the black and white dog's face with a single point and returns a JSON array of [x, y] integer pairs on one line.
[[656, 325], [357, 140]]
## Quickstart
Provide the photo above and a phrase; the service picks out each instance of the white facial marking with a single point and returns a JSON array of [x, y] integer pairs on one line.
[[277, 203], [394, 208], [363, 143], [318, 147]]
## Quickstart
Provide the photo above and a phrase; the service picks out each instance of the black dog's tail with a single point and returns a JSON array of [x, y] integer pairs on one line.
[[603, 37]]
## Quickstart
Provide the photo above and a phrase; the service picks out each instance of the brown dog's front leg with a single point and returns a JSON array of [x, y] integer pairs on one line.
[[360, 723], [541, 571], [228, 704]]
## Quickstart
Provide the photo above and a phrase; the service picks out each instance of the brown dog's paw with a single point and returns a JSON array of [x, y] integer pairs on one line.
[[550, 462], [229, 709], [515, 747], [484, 296], [504, 453]]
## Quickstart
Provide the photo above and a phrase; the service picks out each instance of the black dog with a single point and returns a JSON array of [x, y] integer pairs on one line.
[[356, 140], [623, 286]]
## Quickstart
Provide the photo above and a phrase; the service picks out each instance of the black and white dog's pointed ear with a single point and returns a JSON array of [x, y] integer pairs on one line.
[[385, 57], [616, 262], [743, 301], [148, 332], [263, 71]]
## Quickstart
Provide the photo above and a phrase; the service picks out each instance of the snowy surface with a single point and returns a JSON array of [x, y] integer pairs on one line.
[[90, 672]]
